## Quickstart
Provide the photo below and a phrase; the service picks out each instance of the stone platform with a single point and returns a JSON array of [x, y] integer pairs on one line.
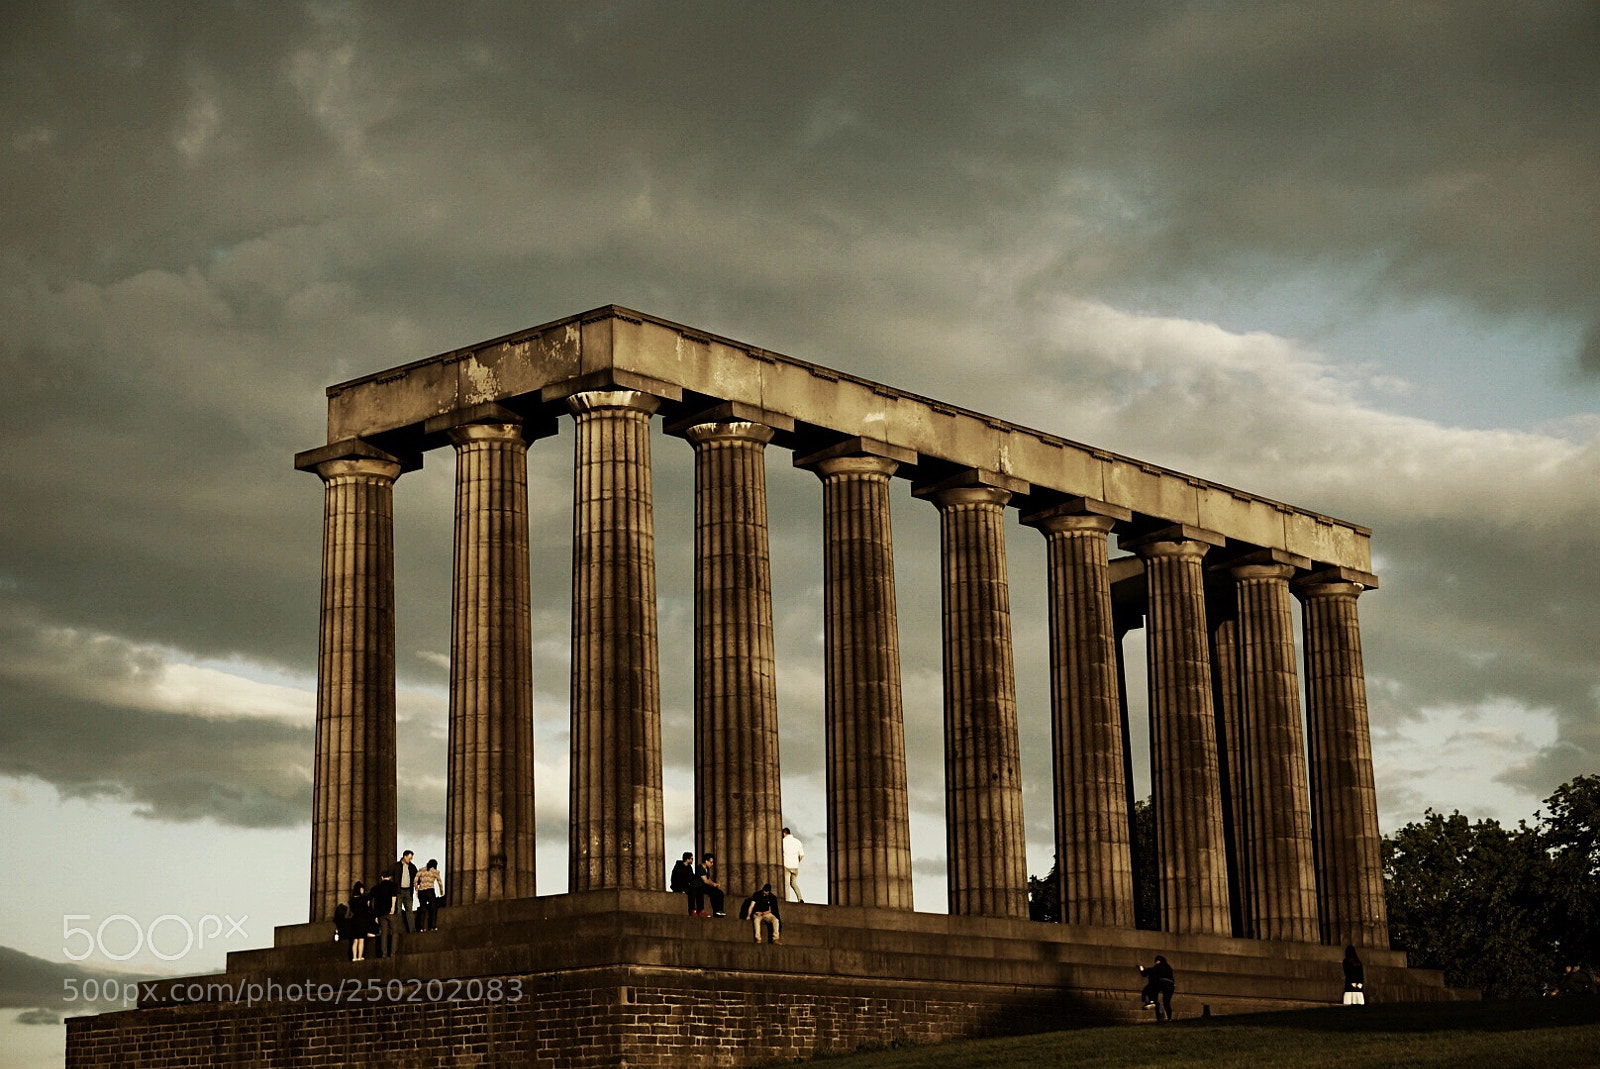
[[615, 977]]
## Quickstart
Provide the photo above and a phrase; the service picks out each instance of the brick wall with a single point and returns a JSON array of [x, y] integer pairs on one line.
[[634, 1017]]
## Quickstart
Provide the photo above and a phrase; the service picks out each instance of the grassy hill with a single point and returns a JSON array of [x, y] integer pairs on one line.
[[1554, 1033]]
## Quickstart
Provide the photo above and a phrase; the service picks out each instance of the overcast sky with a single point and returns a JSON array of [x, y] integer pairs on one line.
[[1340, 255]]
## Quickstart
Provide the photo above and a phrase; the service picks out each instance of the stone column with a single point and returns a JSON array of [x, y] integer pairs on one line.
[[869, 828], [489, 821], [1091, 788], [984, 831], [353, 781], [738, 805], [617, 835], [1282, 901], [1230, 733], [1183, 741], [1344, 802]]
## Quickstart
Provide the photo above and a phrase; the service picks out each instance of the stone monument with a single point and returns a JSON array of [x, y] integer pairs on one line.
[[1266, 831]]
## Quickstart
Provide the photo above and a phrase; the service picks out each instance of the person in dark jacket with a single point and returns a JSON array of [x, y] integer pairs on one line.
[[764, 911], [709, 887], [405, 885], [685, 882], [1355, 979], [358, 921], [383, 904], [1158, 988]]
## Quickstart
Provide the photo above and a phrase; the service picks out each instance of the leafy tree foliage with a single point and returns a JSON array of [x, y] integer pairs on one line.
[[1498, 908]]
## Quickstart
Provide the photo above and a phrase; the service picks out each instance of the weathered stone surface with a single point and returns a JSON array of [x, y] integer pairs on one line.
[[1282, 889], [1343, 796], [610, 977], [489, 822], [617, 835], [984, 831], [613, 343], [1087, 730], [737, 795], [353, 782], [869, 827], [1185, 785]]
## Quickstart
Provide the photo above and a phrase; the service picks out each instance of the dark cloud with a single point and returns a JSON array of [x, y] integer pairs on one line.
[[210, 218], [36, 985]]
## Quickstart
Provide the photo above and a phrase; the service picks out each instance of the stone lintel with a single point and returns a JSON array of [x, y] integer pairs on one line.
[[731, 412], [533, 427], [1337, 575], [608, 379], [1077, 506], [1177, 532], [971, 478], [854, 447], [1265, 556], [353, 449]]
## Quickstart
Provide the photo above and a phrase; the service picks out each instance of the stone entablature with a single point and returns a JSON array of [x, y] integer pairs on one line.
[[617, 347]]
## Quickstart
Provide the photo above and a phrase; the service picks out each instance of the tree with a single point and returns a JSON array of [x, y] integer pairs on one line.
[[1471, 899], [1498, 908], [1571, 830]]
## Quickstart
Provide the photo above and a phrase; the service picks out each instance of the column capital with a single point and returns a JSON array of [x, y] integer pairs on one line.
[[612, 380], [1054, 522], [971, 479], [477, 422], [1334, 581], [1076, 514], [728, 431], [628, 400], [1188, 550], [731, 412], [852, 449], [1150, 543], [957, 496], [354, 456], [1243, 572]]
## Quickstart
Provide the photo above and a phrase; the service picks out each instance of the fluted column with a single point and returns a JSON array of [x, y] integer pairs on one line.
[[489, 818], [617, 835], [353, 782], [1183, 743], [737, 801], [1344, 802], [1091, 808], [985, 836], [1282, 901], [869, 828], [1230, 754]]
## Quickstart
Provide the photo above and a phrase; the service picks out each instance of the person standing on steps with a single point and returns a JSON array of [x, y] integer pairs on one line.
[[405, 880], [428, 897], [794, 852], [1158, 988], [1355, 979]]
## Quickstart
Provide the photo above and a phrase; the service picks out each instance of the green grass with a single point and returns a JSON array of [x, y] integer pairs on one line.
[[1559, 1033]]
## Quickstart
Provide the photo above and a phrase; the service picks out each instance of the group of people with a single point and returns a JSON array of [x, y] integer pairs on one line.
[[697, 880], [373, 916]]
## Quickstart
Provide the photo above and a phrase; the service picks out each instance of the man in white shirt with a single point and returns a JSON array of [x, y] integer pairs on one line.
[[793, 854]]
